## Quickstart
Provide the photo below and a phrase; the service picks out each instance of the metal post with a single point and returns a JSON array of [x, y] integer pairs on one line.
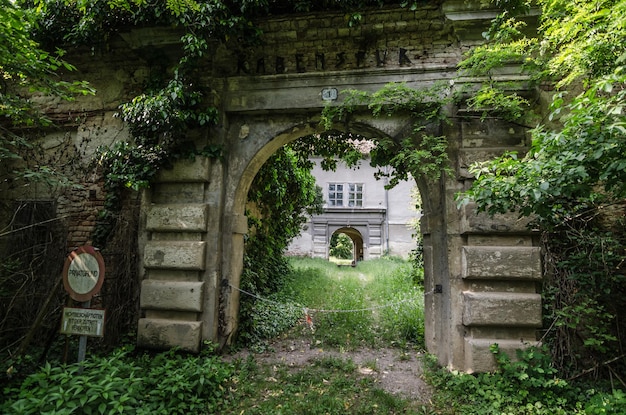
[[82, 341]]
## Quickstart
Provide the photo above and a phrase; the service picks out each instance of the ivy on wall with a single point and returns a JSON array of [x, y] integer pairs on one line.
[[167, 108], [281, 198], [421, 153], [571, 181]]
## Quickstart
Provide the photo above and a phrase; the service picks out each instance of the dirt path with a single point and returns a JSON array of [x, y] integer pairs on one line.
[[394, 370]]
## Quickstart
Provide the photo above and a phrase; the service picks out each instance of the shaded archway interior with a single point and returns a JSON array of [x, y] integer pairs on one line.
[[357, 242]]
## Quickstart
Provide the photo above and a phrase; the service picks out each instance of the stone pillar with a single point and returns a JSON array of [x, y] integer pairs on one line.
[[178, 291], [494, 265], [501, 300]]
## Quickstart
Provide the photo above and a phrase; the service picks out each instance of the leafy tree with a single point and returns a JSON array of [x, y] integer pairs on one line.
[[341, 246], [571, 181], [281, 198], [26, 69]]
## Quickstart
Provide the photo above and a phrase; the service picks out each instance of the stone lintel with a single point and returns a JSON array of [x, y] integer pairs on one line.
[[185, 171], [165, 334], [175, 255], [177, 218], [501, 262], [171, 295], [478, 356], [287, 91], [506, 309]]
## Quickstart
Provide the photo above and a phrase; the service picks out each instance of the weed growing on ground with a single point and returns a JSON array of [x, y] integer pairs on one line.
[[376, 301]]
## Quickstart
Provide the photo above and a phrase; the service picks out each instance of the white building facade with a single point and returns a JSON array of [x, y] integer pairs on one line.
[[379, 221]]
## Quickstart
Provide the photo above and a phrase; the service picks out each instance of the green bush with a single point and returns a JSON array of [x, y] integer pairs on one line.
[[267, 320], [527, 386], [123, 382], [607, 403]]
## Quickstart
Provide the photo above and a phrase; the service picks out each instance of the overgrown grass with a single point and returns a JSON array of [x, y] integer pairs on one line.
[[127, 381], [391, 304], [375, 303]]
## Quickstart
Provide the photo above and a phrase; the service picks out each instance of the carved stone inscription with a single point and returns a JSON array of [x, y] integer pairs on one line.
[[319, 62]]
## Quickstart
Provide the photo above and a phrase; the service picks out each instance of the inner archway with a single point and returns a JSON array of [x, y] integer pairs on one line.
[[358, 215], [356, 240]]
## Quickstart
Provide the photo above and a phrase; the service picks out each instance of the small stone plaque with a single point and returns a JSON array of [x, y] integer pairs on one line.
[[329, 94]]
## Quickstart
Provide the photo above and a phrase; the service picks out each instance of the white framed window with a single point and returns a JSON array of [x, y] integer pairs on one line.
[[355, 194], [335, 194], [345, 194]]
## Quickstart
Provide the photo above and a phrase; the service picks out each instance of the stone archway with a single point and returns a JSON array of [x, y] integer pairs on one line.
[[265, 141], [481, 273], [356, 237]]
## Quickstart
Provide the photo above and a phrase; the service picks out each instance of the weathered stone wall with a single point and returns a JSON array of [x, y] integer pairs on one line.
[[389, 38]]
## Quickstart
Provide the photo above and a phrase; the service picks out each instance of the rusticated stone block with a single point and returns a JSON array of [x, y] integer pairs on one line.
[[196, 170], [177, 218], [499, 223], [501, 309], [175, 255], [501, 262], [478, 356], [166, 334], [171, 295], [469, 156], [479, 133], [165, 193]]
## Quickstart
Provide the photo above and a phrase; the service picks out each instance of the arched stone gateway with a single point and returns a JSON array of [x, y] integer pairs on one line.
[[481, 273], [355, 233]]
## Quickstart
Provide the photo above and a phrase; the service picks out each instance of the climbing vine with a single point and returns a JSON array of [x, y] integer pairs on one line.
[[282, 197], [419, 154], [571, 181], [159, 122]]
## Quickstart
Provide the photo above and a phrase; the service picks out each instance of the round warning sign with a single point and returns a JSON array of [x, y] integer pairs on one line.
[[83, 273]]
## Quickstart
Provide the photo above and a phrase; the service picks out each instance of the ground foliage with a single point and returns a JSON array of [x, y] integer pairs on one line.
[[527, 385], [124, 381], [571, 181], [377, 303], [129, 381], [327, 385]]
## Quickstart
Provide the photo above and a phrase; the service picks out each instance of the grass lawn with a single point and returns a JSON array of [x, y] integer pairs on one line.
[[373, 305]]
